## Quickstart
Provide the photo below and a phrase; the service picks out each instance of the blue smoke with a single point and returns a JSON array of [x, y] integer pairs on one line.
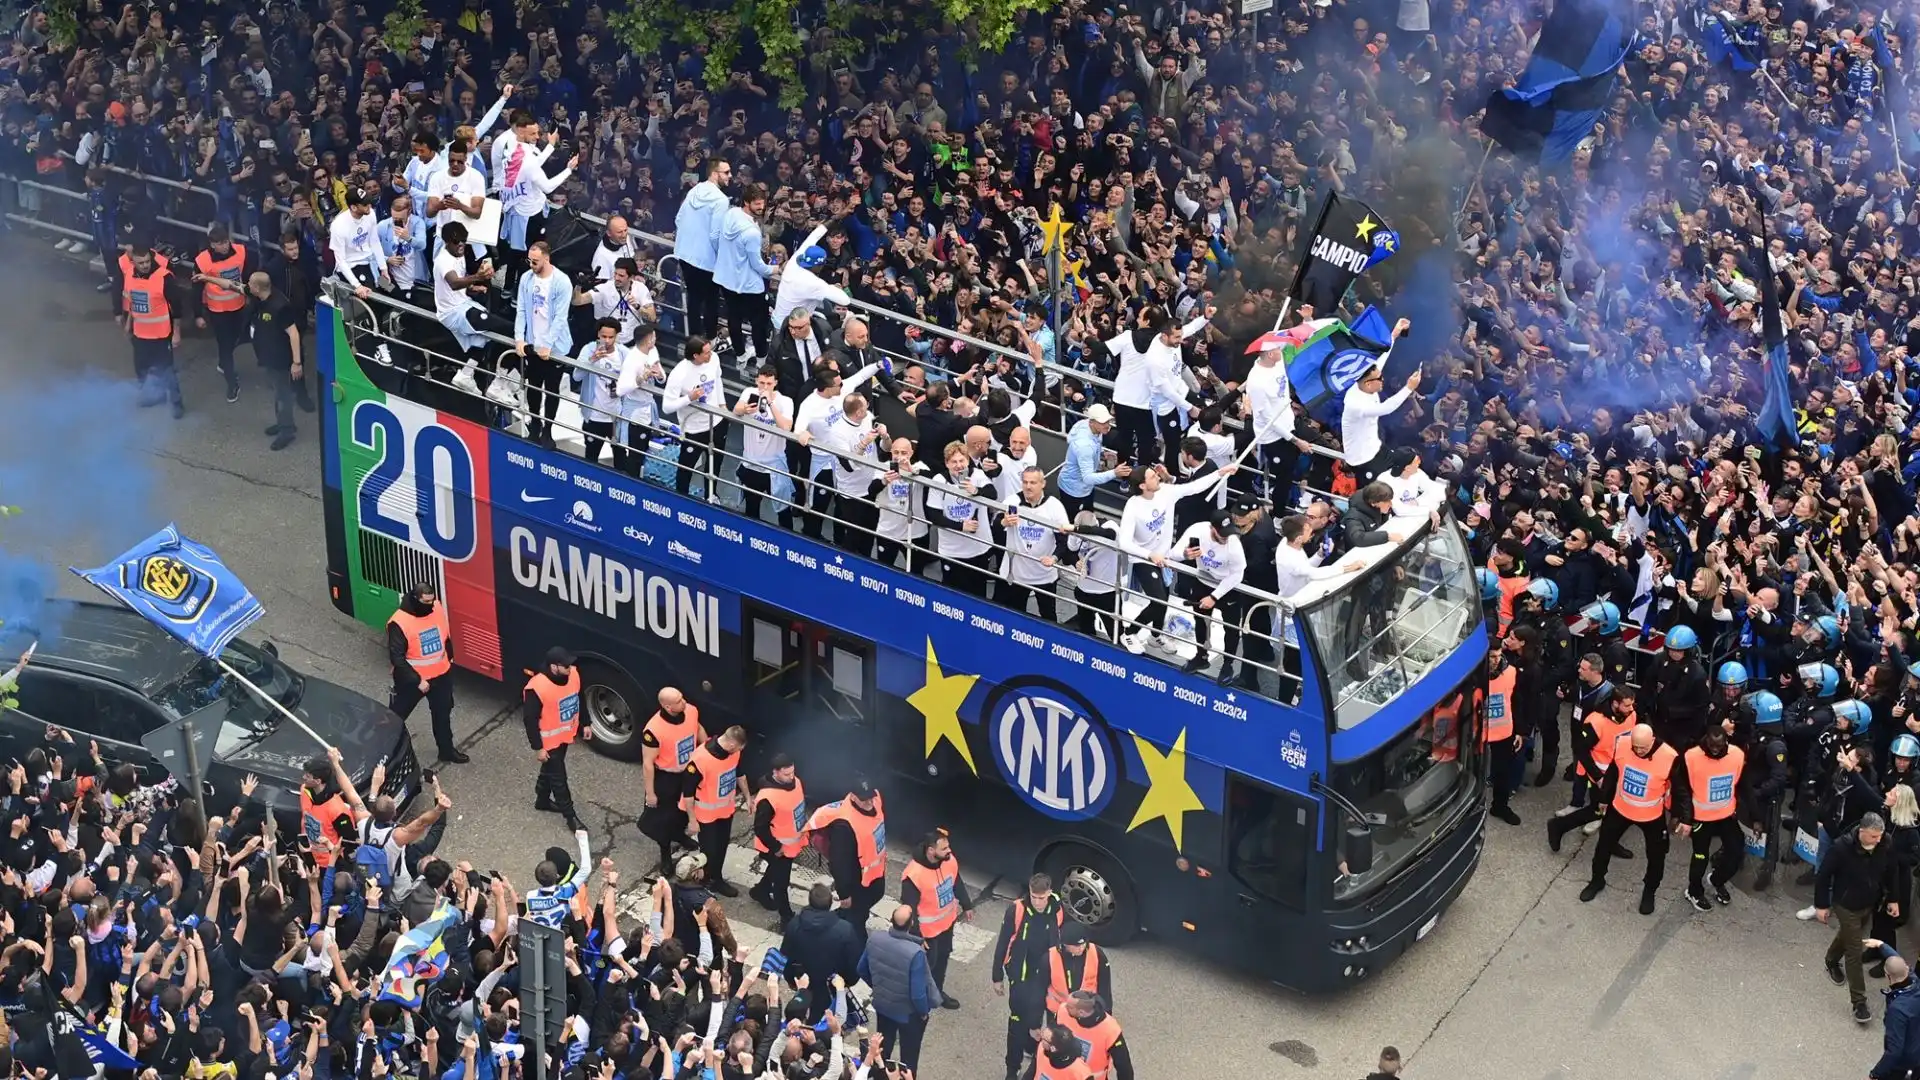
[[79, 470], [1427, 298]]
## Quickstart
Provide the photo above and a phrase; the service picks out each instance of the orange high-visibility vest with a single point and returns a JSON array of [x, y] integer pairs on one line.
[[559, 708], [317, 821], [1642, 794], [1510, 587], [224, 295], [1057, 988], [427, 636], [789, 825], [145, 299], [677, 739], [939, 906], [1500, 706], [869, 834], [1712, 780], [1608, 731], [1443, 731], [1054, 908], [713, 799], [1096, 1042], [1047, 1070]]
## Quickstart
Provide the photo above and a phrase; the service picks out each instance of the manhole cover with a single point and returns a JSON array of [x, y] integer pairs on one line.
[[1297, 1052]]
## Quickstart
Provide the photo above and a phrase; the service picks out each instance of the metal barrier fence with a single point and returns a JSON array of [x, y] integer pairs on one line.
[[718, 480]]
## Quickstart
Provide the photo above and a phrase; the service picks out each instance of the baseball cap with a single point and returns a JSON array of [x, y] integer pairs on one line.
[[1245, 505], [559, 655], [863, 789], [1100, 414]]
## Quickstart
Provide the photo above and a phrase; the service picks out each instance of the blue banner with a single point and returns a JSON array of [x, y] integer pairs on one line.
[[102, 1052], [419, 959], [182, 587]]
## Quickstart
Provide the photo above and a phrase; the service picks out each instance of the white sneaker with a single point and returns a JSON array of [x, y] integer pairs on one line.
[[383, 355], [1564, 811], [463, 380], [1806, 914], [1590, 828], [69, 246], [1163, 643], [1136, 643]]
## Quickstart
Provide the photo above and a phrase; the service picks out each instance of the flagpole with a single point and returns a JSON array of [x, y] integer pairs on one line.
[[1306, 252], [272, 701], [1467, 200]]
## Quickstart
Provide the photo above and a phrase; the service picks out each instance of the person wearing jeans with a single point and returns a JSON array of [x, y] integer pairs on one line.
[[1855, 879]]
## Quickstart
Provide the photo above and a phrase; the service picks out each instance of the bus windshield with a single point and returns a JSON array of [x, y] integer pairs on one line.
[[1393, 622], [1412, 789]]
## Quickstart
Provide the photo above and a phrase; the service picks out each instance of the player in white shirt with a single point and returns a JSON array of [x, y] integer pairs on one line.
[[1415, 494], [854, 441], [800, 288], [1033, 523], [457, 280], [594, 380], [1212, 548], [1096, 589], [1018, 455], [1270, 398], [816, 415], [903, 511], [1361, 410], [1149, 358], [615, 245], [764, 411], [1146, 535], [524, 201], [621, 298], [456, 193], [354, 239], [1295, 567], [958, 504], [641, 376], [694, 381]]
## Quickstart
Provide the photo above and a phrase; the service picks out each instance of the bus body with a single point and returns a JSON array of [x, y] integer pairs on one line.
[[1157, 800]]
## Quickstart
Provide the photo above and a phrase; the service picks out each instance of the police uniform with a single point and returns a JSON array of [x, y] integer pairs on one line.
[[673, 737], [420, 649], [551, 709]]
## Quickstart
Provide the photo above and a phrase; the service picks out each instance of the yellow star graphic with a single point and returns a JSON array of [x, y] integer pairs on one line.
[[1054, 229], [1169, 797], [939, 701], [1366, 226], [1075, 273], [1389, 245]]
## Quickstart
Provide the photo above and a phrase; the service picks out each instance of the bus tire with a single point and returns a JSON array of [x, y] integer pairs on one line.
[[611, 704], [1097, 891]]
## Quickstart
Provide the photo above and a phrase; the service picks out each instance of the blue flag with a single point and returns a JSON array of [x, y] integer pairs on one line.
[[419, 958], [181, 587], [100, 1050], [1332, 359], [1736, 44], [1567, 83], [1775, 422]]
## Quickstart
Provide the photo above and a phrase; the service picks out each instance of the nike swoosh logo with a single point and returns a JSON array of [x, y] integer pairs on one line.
[[526, 498]]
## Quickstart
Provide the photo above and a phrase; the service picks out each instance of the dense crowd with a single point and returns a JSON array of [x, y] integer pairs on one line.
[[1582, 375]]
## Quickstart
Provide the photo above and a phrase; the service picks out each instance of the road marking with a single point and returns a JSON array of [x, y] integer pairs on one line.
[[970, 939], [1629, 978]]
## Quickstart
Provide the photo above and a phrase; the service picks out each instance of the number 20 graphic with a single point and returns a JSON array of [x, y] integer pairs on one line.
[[443, 515]]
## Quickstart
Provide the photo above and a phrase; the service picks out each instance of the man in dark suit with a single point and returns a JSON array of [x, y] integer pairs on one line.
[[802, 343], [1200, 506], [940, 423]]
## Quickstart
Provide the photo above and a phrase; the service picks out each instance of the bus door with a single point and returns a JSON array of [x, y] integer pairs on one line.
[[809, 694]]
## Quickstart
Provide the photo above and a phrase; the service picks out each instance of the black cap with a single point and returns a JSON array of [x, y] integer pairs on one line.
[[358, 196], [558, 655], [1222, 521], [1073, 933], [1245, 505], [863, 789], [1401, 458]]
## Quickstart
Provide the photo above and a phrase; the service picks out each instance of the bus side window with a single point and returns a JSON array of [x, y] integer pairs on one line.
[[1270, 836]]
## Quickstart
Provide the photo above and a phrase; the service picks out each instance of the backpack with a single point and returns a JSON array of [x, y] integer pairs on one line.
[[372, 860]]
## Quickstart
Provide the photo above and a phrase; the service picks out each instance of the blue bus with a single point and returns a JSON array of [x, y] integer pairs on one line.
[[1311, 830]]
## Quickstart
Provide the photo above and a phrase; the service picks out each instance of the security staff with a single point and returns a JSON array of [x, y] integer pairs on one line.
[[1057, 1055], [220, 269], [273, 325], [1502, 739], [1714, 769], [1593, 742], [1022, 963], [1766, 788], [666, 747], [1077, 965], [931, 886], [711, 797], [145, 304], [856, 831], [1092, 1022], [779, 834], [1644, 774], [1677, 694], [420, 651], [551, 709]]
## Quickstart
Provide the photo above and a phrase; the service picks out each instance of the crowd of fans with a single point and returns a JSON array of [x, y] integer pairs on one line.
[[1589, 340]]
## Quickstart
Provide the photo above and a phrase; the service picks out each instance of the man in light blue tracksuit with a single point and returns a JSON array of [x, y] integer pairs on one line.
[[741, 273], [541, 337], [695, 228]]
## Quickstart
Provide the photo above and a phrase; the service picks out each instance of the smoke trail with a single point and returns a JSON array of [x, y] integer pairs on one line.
[[83, 482]]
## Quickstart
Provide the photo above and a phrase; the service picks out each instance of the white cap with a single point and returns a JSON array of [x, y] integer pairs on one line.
[[1099, 414]]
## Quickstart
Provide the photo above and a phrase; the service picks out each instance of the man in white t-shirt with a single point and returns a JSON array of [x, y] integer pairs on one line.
[[460, 283], [456, 193], [694, 382], [1033, 524], [622, 298]]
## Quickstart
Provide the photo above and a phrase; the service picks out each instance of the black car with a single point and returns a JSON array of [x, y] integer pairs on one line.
[[112, 676]]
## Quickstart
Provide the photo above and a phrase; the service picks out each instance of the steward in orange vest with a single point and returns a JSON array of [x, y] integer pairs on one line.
[[1500, 731], [931, 886], [1713, 778], [854, 832], [420, 651], [712, 795], [1646, 779], [1101, 1042], [146, 303], [550, 706], [779, 834], [667, 744], [221, 301], [1058, 1056], [1077, 965], [1022, 960]]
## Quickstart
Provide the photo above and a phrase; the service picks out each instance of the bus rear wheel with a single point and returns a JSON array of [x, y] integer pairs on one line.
[[610, 704], [1096, 891]]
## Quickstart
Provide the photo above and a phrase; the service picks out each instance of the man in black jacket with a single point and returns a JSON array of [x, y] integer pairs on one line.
[[820, 944], [802, 344], [1369, 518], [1856, 877], [941, 422]]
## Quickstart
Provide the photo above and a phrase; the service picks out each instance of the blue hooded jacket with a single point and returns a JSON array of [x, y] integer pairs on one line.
[[738, 266], [697, 224]]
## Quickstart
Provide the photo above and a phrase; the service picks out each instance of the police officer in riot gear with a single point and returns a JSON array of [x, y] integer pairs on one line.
[[1537, 608], [1809, 714], [1602, 636], [1765, 780], [1727, 707], [1676, 689]]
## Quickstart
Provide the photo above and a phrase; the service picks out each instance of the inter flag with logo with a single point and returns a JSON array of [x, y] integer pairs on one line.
[[1567, 83], [1348, 238]]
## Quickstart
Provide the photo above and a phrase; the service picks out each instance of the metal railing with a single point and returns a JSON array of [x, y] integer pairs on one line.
[[367, 333]]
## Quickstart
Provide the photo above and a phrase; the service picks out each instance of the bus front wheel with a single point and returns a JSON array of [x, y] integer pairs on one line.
[[610, 702], [1096, 892]]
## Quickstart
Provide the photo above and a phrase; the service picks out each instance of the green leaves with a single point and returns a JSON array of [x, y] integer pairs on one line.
[[403, 26], [63, 23]]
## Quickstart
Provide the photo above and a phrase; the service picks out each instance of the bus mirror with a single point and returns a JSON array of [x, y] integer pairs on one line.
[[1357, 848]]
